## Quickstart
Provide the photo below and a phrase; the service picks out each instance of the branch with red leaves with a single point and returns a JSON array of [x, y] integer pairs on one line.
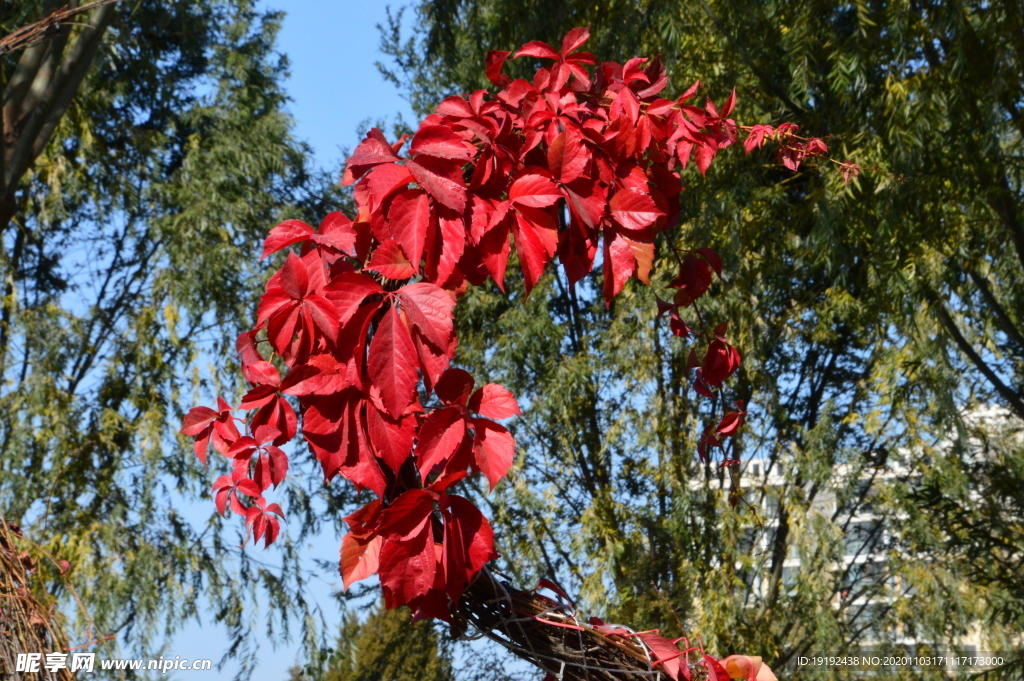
[[360, 315]]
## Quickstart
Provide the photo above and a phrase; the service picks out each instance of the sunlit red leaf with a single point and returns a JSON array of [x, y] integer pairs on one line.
[[442, 179], [409, 218], [285, 234], [429, 309], [536, 48], [392, 363], [535, 191], [440, 141], [359, 558], [439, 438], [493, 449], [389, 260], [634, 209], [495, 402]]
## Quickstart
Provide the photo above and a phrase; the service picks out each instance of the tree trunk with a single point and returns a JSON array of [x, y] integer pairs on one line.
[[26, 624]]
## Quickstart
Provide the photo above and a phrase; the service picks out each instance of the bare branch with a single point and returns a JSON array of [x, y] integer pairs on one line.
[[45, 27]]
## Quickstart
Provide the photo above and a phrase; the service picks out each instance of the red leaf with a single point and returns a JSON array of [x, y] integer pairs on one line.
[[439, 438], [588, 200], [693, 281], [372, 151], [712, 258], [363, 522], [643, 253], [359, 559], [666, 654], [494, 250], [634, 209], [391, 438], [534, 190], [442, 180], [406, 570], [440, 141], [756, 137], [260, 519], [452, 245], [626, 104], [285, 234], [701, 387], [349, 290], [429, 309], [271, 468], [294, 278], [257, 371], [545, 583], [322, 375], [705, 153], [409, 217], [454, 387], [389, 260], [408, 516], [568, 156], [690, 92], [493, 449], [277, 414], [336, 231], [324, 315], [197, 419], [468, 544], [383, 181], [574, 40], [715, 670], [748, 668], [495, 62], [850, 171], [227, 488], [326, 426], [433, 361], [720, 361], [728, 105], [619, 264], [677, 326], [536, 48], [205, 425], [495, 402], [392, 363], [536, 236]]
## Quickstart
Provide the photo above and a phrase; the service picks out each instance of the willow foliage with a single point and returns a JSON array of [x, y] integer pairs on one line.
[[146, 152]]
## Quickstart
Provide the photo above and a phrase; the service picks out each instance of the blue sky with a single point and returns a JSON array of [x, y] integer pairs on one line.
[[334, 86]]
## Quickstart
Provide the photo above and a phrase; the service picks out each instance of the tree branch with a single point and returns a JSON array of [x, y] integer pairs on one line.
[[45, 27], [1011, 397]]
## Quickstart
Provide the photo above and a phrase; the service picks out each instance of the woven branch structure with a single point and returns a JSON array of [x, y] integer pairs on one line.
[[45, 27], [27, 625], [549, 635]]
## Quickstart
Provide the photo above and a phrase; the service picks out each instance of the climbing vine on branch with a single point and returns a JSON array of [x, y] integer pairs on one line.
[[583, 164]]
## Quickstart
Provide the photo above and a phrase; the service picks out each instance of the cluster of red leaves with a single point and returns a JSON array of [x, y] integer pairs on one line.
[[360, 316]]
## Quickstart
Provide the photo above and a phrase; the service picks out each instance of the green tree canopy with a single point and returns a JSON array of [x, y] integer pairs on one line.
[[145, 153], [385, 646], [877, 321]]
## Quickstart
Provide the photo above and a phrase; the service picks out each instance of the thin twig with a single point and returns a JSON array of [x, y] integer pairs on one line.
[[45, 27]]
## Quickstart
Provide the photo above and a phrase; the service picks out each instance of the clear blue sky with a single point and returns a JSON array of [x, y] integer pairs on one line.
[[334, 86]]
